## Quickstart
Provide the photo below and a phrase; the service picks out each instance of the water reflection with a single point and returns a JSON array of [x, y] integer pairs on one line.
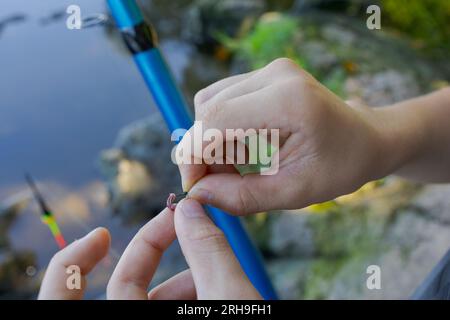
[[11, 20], [54, 17]]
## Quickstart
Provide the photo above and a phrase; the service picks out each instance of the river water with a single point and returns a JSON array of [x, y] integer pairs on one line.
[[64, 94]]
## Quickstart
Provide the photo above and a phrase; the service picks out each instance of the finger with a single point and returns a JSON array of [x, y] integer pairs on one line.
[[246, 111], [221, 168], [136, 267], [281, 67], [239, 105], [241, 195], [234, 119], [191, 172], [197, 152], [179, 287], [189, 156], [215, 270], [84, 253], [250, 82], [209, 92]]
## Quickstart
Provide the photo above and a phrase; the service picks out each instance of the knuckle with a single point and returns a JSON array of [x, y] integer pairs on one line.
[[198, 108], [283, 64], [208, 238], [210, 113], [248, 203], [204, 232], [122, 281], [152, 243], [200, 97], [300, 84], [297, 83]]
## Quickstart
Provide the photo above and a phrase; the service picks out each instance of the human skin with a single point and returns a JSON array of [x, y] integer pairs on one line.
[[214, 272], [327, 148]]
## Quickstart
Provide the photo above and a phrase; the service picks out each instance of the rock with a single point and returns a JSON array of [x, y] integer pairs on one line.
[[339, 34], [14, 280], [139, 170], [179, 55], [382, 88], [15, 204], [416, 247], [406, 251], [291, 235], [434, 201], [205, 18], [10, 208], [288, 277], [320, 58], [397, 226], [344, 55]]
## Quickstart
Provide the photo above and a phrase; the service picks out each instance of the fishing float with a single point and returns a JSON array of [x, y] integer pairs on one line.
[[140, 38], [47, 216]]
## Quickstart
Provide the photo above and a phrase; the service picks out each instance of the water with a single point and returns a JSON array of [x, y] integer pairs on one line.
[[64, 94], [59, 87]]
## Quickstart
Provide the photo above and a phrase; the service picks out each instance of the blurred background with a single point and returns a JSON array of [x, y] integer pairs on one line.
[[75, 113]]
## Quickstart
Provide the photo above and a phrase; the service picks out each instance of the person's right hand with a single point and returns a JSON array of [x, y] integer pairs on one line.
[[327, 148]]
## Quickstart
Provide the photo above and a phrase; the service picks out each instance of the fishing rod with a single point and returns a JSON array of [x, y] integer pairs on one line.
[[46, 214], [140, 38]]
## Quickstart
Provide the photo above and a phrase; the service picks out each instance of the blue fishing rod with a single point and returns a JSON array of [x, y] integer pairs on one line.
[[141, 40]]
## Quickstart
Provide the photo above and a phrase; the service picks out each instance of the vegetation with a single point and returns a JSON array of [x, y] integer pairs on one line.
[[425, 21], [273, 36]]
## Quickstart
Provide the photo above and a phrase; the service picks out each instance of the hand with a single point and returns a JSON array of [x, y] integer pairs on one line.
[[327, 148], [214, 272]]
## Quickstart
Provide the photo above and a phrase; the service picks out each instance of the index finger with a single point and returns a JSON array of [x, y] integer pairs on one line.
[[136, 267]]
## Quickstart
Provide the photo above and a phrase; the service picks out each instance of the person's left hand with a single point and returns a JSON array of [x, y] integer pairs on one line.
[[214, 272]]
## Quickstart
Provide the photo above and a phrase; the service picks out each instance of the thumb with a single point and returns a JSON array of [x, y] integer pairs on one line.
[[85, 254], [241, 195], [216, 272]]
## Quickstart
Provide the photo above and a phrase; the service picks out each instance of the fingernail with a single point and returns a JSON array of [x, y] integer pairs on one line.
[[202, 195], [190, 208], [184, 185]]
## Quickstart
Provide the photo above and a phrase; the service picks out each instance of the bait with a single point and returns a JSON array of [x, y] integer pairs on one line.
[[171, 204]]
